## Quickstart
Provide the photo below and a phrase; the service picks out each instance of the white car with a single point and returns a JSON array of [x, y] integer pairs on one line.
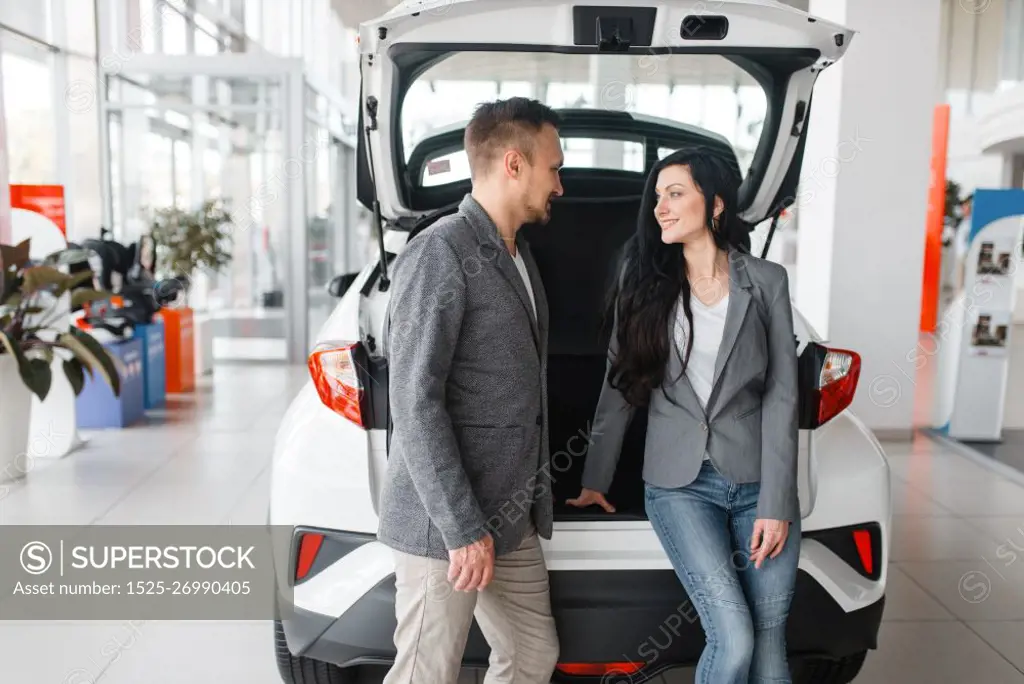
[[621, 612]]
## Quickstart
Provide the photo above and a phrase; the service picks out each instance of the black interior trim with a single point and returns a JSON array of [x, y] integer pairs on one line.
[[576, 123], [625, 26]]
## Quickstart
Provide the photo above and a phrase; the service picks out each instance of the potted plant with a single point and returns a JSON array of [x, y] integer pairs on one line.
[[34, 332], [188, 241]]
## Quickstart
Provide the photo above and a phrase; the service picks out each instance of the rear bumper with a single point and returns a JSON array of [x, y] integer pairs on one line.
[[602, 616]]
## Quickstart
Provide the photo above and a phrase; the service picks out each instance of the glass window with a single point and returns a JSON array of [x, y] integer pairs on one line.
[[79, 26], [714, 94], [28, 103], [205, 36], [578, 152], [85, 188], [116, 174], [144, 36], [29, 18], [174, 33], [182, 174], [254, 19], [158, 188]]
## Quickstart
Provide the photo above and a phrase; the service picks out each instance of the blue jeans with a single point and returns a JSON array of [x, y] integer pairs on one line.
[[705, 529]]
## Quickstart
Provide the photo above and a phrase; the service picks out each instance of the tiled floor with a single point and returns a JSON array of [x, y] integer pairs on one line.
[[955, 608]]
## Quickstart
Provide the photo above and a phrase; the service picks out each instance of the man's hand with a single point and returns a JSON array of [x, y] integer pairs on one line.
[[768, 539], [472, 567], [588, 497]]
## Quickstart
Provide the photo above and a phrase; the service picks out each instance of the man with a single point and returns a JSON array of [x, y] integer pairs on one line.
[[467, 491]]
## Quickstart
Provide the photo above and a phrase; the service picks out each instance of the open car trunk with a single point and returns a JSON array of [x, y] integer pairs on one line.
[[577, 253]]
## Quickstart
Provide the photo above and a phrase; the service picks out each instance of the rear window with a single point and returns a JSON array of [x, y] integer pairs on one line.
[[579, 153], [709, 92]]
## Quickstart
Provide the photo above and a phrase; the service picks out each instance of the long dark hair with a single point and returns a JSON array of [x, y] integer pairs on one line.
[[653, 275]]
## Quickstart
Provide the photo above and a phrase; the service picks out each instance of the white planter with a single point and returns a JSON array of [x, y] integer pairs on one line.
[[53, 431], [202, 331], [15, 415]]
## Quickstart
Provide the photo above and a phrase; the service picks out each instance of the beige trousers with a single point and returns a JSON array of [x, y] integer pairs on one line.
[[513, 612]]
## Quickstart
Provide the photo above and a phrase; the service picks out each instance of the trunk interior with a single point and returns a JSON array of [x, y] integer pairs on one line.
[[577, 252]]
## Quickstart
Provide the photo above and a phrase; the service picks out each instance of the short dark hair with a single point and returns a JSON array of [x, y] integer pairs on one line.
[[498, 125]]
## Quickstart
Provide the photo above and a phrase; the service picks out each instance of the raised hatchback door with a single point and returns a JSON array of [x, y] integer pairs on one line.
[[779, 47]]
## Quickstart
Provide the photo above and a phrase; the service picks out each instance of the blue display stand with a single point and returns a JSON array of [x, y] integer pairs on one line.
[[974, 335], [97, 407], [154, 371]]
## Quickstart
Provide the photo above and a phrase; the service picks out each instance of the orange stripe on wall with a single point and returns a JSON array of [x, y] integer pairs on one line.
[[934, 224]]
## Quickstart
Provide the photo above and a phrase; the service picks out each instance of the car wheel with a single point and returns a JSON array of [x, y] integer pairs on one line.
[[822, 671], [300, 670]]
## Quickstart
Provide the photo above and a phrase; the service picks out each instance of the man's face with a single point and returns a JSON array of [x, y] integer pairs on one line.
[[539, 182]]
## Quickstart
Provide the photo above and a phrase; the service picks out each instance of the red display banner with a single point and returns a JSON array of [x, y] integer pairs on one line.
[[47, 200]]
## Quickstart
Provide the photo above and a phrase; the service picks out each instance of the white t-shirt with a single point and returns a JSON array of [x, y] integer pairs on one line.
[[521, 265], [709, 324]]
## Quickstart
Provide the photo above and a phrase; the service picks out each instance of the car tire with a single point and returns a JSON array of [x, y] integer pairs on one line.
[[300, 670], [822, 671]]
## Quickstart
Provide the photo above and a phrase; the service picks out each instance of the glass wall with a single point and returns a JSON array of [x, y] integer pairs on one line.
[[180, 142], [30, 109], [1012, 62], [48, 61], [80, 113], [977, 46]]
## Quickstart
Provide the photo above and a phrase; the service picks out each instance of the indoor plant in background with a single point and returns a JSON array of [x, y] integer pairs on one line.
[[34, 331], [190, 241]]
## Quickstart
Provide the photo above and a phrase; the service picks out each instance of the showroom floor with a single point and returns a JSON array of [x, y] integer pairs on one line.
[[955, 608]]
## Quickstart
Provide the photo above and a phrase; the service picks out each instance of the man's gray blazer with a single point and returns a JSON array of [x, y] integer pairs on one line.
[[750, 425], [467, 367]]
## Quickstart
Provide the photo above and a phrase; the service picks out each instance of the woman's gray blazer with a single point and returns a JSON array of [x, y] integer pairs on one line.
[[750, 426]]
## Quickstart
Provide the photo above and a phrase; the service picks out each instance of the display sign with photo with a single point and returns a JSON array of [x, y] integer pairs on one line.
[[989, 333], [996, 258]]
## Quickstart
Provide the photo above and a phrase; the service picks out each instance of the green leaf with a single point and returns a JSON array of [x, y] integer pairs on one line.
[[80, 297], [17, 255], [39, 277], [39, 377], [76, 279], [93, 356], [75, 374], [13, 300], [14, 349]]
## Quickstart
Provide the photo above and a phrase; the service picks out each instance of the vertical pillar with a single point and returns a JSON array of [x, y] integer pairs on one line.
[[936, 220], [296, 265], [5, 189], [614, 89], [864, 196]]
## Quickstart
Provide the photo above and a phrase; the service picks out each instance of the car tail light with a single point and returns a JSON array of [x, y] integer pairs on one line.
[[599, 669], [859, 546], [335, 373], [862, 538], [309, 546], [828, 382], [839, 375]]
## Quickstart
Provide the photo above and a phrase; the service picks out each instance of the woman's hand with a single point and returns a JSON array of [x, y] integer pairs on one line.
[[588, 497], [768, 539]]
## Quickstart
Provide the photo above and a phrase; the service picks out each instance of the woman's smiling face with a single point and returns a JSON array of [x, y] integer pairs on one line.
[[680, 206]]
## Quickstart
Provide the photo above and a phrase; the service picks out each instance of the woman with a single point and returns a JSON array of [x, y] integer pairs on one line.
[[720, 459]]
